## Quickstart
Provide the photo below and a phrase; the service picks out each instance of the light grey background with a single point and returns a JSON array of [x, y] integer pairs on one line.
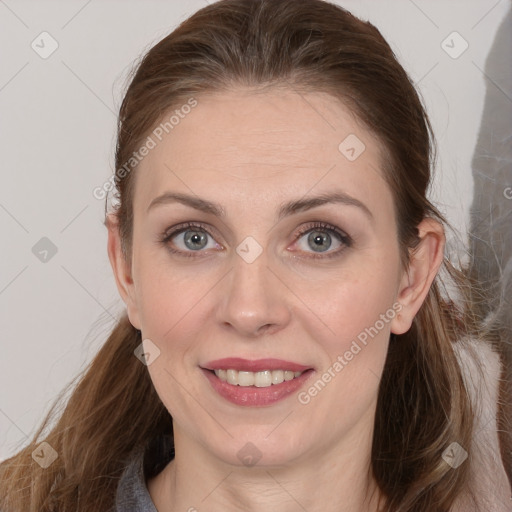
[[57, 136]]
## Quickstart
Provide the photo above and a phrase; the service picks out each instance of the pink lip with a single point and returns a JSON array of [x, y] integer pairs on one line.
[[258, 365], [251, 396]]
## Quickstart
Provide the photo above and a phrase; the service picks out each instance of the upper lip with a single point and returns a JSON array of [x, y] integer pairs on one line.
[[255, 365]]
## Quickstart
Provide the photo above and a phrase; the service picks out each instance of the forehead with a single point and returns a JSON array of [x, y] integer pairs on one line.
[[270, 143]]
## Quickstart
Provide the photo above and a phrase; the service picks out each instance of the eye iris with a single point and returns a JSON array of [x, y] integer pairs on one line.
[[194, 237], [317, 238]]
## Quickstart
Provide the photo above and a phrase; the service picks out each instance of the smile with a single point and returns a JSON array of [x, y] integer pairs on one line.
[[262, 379], [255, 383]]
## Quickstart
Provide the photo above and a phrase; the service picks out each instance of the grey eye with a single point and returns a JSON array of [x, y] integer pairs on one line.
[[195, 240], [319, 241]]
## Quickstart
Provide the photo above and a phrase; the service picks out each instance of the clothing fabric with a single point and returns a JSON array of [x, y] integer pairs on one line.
[[132, 492]]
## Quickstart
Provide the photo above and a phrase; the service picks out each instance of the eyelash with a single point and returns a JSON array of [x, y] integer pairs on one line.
[[345, 239]]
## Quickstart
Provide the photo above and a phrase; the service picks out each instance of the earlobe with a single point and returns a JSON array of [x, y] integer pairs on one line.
[[424, 263], [122, 270]]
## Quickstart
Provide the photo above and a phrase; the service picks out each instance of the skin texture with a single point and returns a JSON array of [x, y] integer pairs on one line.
[[250, 152]]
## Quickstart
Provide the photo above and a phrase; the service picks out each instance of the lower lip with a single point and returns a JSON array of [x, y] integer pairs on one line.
[[251, 396]]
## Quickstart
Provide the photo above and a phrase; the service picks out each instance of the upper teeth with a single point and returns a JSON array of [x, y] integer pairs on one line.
[[259, 379]]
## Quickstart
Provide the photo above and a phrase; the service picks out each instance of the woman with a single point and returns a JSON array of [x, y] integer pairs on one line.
[[288, 343]]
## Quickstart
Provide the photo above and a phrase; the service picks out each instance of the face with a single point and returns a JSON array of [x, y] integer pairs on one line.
[[264, 245]]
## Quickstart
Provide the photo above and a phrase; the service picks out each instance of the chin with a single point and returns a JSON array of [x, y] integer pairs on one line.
[[260, 449]]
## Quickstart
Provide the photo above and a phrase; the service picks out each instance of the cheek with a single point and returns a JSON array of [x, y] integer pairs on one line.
[[357, 308], [354, 349], [168, 297], [355, 301], [173, 305]]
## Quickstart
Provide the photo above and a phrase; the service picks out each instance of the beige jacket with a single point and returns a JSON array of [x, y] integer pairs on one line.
[[490, 489]]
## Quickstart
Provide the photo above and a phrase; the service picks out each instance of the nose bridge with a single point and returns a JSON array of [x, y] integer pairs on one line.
[[252, 300]]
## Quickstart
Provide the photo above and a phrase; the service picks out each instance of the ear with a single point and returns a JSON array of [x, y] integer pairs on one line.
[[122, 270], [425, 261]]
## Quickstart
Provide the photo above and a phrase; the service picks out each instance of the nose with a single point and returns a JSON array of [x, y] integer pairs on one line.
[[252, 300]]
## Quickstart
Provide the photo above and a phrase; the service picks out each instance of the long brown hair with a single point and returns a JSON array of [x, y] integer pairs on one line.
[[423, 405]]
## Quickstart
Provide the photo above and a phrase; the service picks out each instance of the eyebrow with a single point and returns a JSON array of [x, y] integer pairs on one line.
[[285, 210]]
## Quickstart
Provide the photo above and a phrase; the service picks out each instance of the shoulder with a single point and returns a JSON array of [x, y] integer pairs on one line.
[[132, 494], [144, 463], [489, 489]]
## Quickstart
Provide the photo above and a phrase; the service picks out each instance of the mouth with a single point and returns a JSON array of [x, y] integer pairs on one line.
[[255, 383]]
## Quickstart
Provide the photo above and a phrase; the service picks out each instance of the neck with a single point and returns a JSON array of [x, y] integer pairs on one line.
[[336, 480]]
